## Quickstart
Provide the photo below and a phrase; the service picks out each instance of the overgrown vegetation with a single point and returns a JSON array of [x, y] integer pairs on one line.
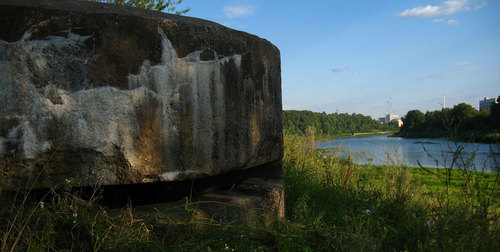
[[331, 125], [332, 204], [461, 122], [158, 5], [390, 207]]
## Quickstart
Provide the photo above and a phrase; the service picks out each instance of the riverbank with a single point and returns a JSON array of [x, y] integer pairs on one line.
[[321, 138], [486, 137]]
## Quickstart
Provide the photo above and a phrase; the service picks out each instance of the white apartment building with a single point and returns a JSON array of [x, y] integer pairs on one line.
[[486, 103], [391, 118]]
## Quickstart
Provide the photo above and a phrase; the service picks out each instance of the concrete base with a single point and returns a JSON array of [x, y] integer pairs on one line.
[[254, 201]]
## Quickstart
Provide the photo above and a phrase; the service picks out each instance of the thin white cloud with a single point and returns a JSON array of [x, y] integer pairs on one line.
[[462, 63], [449, 21], [448, 7], [479, 4], [431, 76], [238, 11], [340, 70], [464, 69]]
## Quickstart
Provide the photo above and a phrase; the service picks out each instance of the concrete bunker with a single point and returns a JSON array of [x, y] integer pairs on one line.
[[100, 95]]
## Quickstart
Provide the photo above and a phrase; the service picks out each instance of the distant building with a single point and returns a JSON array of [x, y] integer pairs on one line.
[[391, 118], [486, 103]]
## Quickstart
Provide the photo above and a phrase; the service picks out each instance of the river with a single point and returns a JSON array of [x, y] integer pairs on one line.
[[382, 149]]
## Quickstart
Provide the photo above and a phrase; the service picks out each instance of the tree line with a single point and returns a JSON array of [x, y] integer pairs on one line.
[[298, 122], [462, 122]]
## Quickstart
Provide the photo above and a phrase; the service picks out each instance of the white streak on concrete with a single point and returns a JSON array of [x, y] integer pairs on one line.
[[105, 119]]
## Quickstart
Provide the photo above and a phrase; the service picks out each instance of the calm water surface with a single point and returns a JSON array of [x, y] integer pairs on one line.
[[382, 149]]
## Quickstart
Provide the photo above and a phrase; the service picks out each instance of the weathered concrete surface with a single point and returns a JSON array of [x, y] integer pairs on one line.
[[102, 94], [254, 201]]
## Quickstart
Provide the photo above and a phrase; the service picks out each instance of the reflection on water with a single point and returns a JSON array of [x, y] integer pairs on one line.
[[382, 149]]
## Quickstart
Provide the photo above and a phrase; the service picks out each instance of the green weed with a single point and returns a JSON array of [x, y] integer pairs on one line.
[[390, 207], [332, 205]]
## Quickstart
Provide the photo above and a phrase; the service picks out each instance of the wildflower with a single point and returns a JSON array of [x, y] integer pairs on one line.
[[429, 224], [42, 204], [367, 211], [75, 215]]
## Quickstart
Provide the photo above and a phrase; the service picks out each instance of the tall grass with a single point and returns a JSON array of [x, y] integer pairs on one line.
[[65, 221], [332, 204], [387, 207]]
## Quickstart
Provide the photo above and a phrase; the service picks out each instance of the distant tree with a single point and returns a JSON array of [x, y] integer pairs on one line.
[[495, 114], [299, 122], [446, 118], [463, 111], [434, 119], [462, 122], [462, 115], [482, 120], [413, 120], [158, 5]]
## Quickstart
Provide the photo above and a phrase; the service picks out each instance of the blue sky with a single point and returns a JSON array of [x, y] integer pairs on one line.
[[373, 57]]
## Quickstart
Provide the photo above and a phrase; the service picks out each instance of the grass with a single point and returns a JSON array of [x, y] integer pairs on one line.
[[332, 204], [431, 182], [392, 207]]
